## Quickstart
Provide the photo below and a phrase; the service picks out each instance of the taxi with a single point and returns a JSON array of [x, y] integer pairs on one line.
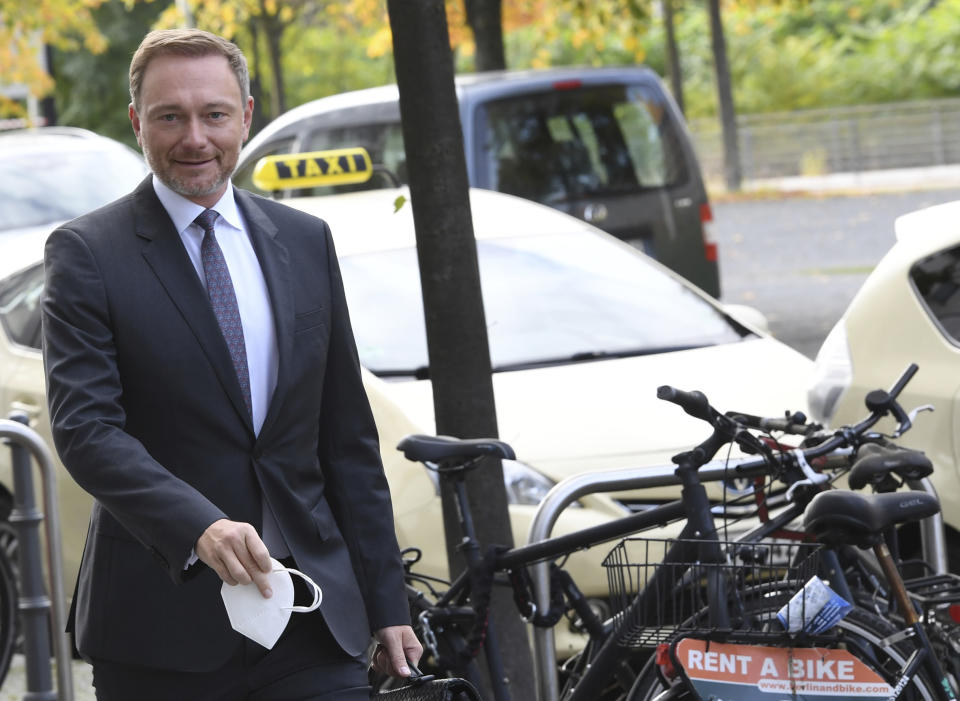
[[582, 329], [907, 311]]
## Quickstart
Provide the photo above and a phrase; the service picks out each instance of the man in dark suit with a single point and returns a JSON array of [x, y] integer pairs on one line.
[[204, 387]]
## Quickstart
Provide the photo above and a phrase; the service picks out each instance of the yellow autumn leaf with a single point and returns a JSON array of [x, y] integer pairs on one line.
[[381, 43]]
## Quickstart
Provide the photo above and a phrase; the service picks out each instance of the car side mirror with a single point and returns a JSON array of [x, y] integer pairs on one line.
[[748, 316]]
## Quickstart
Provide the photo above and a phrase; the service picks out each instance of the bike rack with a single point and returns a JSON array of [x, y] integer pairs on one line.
[[569, 490], [34, 604]]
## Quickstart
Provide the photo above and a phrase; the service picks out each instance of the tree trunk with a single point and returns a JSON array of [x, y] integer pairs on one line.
[[674, 71], [455, 323], [728, 118], [48, 105], [484, 18], [255, 66], [273, 32]]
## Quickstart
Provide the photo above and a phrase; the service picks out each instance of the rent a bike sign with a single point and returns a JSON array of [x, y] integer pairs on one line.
[[734, 672]]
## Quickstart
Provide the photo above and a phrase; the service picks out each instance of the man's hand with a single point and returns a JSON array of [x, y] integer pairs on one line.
[[396, 645], [236, 553]]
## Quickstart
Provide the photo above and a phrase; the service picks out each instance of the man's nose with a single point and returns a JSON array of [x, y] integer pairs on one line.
[[195, 134]]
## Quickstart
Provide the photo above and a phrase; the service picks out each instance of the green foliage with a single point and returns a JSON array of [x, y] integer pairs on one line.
[[796, 55], [328, 61], [784, 54], [92, 90]]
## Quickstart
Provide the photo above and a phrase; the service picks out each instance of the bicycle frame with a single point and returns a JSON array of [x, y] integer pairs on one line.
[[699, 526]]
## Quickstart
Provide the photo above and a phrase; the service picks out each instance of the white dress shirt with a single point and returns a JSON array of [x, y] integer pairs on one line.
[[253, 300]]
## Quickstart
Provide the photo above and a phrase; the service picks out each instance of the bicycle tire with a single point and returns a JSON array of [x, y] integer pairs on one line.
[[860, 628], [8, 614]]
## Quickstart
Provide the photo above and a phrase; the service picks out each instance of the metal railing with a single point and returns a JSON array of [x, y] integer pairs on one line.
[[35, 605], [853, 139]]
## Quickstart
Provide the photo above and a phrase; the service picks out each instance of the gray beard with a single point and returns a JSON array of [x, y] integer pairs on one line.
[[179, 186]]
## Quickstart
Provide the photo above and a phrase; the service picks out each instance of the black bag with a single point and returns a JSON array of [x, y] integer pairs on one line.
[[430, 689]]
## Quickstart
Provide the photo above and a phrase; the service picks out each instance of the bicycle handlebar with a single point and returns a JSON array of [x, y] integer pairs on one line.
[[880, 403], [694, 403]]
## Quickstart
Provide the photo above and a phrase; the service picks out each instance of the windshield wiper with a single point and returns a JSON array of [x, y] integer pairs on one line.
[[588, 356], [423, 372], [419, 373]]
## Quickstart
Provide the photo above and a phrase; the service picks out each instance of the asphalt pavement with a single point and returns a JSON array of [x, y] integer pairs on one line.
[[798, 249], [848, 184]]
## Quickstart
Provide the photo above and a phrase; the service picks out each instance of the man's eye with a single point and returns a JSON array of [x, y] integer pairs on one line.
[[217, 115], [168, 117]]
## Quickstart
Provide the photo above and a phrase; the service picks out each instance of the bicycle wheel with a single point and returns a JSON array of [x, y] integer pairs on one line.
[[8, 614], [860, 632]]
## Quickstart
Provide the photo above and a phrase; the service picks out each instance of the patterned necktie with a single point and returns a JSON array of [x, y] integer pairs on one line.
[[223, 299]]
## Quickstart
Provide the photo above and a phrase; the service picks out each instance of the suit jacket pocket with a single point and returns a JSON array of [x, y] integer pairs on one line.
[[309, 320], [323, 517]]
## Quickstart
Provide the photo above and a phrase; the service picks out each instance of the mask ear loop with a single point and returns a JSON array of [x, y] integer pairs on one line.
[[317, 594]]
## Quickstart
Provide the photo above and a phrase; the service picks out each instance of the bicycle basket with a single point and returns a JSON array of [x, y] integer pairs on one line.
[[659, 588]]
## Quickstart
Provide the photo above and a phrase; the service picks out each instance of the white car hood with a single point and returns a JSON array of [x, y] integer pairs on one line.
[[589, 416]]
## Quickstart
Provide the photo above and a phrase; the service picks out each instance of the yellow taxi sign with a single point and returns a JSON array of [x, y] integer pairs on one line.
[[335, 167]]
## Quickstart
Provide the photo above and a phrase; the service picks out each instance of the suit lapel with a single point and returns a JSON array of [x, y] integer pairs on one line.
[[165, 254], [275, 264]]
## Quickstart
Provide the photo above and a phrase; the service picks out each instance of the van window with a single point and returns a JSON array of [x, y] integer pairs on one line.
[[244, 175], [579, 143], [384, 143]]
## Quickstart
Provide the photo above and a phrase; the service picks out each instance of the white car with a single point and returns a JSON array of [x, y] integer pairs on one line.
[[907, 311], [47, 176], [582, 328]]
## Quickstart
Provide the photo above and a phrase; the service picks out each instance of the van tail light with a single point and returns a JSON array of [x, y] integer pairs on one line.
[[567, 84], [709, 245]]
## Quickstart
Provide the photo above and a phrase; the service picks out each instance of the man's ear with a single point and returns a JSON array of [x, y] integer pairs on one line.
[[135, 121], [247, 117]]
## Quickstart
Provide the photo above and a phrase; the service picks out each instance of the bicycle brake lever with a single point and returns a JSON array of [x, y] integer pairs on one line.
[[813, 477], [910, 418]]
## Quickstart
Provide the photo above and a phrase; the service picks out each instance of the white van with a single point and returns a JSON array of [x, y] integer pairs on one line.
[[607, 145]]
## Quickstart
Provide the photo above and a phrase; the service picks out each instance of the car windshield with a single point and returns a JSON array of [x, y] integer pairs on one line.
[[42, 187], [548, 299]]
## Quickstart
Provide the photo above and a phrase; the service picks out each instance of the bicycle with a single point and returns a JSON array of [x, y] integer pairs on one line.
[[885, 468], [605, 666], [898, 664]]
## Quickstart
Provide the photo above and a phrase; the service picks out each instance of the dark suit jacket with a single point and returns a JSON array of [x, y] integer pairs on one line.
[[148, 416]]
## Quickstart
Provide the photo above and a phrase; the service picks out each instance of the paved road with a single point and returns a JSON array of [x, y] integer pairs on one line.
[[800, 260]]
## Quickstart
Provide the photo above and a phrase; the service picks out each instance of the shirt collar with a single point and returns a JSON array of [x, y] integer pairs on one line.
[[182, 211]]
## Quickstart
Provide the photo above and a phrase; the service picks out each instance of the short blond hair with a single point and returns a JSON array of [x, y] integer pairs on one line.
[[186, 42]]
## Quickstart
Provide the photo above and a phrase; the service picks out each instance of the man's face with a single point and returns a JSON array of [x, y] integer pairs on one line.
[[191, 124]]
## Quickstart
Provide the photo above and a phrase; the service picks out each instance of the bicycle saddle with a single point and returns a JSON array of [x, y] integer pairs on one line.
[[875, 462], [420, 448], [839, 517]]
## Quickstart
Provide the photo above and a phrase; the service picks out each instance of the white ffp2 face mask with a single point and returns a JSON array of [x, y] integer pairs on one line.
[[264, 620]]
